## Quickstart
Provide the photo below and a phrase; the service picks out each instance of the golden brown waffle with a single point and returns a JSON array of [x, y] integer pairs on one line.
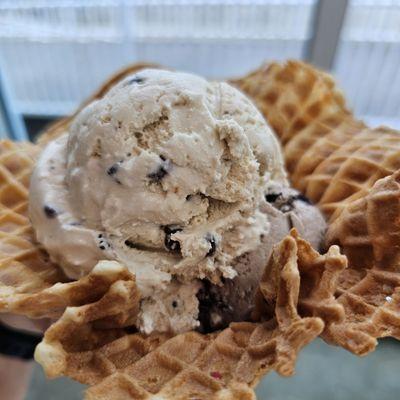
[[371, 299], [24, 268], [225, 365], [368, 230], [307, 112], [293, 95], [319, 274], [330, 156], [315, 127], [339, 163]]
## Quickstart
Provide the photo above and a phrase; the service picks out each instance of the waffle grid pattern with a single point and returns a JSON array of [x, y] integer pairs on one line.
[[330, 156], [352, 173], [309, 114], [372, 311], [228, 363], [208, 367], [24, 267], [368, 231]]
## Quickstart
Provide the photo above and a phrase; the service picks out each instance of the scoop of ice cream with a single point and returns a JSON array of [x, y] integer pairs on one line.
[[234, 300], [167, 174]]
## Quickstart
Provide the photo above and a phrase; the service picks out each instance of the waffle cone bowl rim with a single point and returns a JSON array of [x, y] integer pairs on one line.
[[326, 319]]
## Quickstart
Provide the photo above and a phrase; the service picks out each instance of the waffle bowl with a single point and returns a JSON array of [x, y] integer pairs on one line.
[[303, 294], [368, 231], [25, 268], [352, 173], [330, 156], [94, 339], [223, 365]]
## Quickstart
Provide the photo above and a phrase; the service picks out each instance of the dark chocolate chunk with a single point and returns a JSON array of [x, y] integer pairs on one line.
[[210, 301], [113, 169], [161, 171], [290, 221], [206, 302], [50, 212], [170, 244], [211, 239], [272, 197], [135, 79], [285, 205], [130, 244], [158, 175], [139, 246]]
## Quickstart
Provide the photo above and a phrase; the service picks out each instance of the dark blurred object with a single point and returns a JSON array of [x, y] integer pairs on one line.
[[17, 344], [34, 125]]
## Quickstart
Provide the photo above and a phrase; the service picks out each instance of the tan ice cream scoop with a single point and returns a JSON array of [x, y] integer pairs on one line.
[[167, 174]]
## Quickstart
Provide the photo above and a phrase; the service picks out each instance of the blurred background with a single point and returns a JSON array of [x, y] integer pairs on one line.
[[55, 53]]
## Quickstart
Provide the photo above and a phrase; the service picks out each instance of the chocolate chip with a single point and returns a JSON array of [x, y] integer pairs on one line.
[[290, 221], [50, 212], [283, 204], [130, 244], [211, 239], [113, 169], [139, 246], [135, 79], [301, 197], [272, 197], [170, 244], [174, 304], [210, 301], [161, 171], [101, 247], [75, 223]]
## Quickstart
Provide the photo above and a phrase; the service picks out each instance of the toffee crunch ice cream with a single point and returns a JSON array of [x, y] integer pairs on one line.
[[182, 181]]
